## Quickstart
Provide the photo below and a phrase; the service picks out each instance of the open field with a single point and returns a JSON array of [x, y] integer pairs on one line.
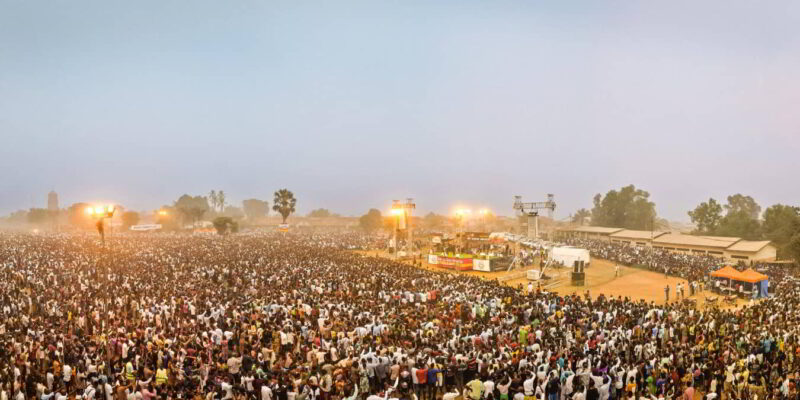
[[634, 283]]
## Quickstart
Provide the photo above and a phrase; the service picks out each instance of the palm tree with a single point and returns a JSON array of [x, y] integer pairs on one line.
[[221, 200], [213, 198], [284, 203], [581, 215]]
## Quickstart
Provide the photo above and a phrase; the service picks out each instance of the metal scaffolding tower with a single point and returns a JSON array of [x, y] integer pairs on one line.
[[402, 212], [531, 212]]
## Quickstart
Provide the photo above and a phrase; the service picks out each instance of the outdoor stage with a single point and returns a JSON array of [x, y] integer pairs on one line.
[[634, 283]]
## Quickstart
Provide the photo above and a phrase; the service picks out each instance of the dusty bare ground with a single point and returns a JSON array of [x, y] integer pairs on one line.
[[634, 283]]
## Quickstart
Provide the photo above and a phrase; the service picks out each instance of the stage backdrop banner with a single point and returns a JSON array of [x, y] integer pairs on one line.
[[433, 259], [481, 265], [146, 227], [460, 264]]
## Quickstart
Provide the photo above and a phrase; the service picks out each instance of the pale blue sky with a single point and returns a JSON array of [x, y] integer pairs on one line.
[[351, 104]]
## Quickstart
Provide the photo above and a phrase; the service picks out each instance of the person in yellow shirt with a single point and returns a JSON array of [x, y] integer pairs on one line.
[[162, 376], [129, 372]]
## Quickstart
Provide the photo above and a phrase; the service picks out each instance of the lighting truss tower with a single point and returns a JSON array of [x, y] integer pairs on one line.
[[531, 212], [402, 212]]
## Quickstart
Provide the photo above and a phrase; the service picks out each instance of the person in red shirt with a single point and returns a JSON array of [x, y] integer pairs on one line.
[[422, 380], [688, 394]]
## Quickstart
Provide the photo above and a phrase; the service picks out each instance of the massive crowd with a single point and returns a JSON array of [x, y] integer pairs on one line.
[[295, 317]]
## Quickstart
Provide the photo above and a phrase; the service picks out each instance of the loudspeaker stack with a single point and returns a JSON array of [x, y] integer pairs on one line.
[[578, 276]]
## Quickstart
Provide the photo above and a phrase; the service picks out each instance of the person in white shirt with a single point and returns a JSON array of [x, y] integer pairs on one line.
[[527, 386], [266, 392], [450, 395], [67, 376], [228, 389], [488, 388]]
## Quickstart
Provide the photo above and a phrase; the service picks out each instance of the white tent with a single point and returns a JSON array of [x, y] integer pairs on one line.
[[567, 255]]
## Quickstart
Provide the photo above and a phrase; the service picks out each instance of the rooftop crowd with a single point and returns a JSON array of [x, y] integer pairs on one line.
[[295, 317]]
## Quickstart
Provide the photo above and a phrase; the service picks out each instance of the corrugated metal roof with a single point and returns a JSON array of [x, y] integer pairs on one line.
[[676, 239], [595, 229], [749, 245], [632, 234]]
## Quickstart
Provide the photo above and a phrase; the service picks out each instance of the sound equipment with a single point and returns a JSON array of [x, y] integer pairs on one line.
[[578, 279]]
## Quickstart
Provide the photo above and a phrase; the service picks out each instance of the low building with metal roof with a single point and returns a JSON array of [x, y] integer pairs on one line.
[[731, 248]]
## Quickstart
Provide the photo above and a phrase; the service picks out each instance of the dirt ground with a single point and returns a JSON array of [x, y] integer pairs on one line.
[[634, 283]]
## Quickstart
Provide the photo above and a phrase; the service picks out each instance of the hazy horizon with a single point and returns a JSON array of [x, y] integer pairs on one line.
[[353, 104]]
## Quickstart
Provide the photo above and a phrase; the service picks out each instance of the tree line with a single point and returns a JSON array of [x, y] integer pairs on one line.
[[741, 216], [186, 210]]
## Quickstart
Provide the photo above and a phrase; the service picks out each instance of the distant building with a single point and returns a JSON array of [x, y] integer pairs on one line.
[[730, 248], [52, 201]]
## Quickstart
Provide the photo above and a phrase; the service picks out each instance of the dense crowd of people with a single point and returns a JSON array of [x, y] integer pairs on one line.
[[296, 317], [690, 266]]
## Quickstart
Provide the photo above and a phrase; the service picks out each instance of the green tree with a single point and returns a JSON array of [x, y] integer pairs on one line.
[[781, 224], [581, 216], [191, 208], [628, 208], [233, 212], [741, 218], [792, 249], [284, 203], [225, 225], [221, 200], [255, 208], [320, 213], [707, 217], [130, 218], [739, 224], [434, 221], [371, 221], [738, 203], [212, 198], [18, 217]]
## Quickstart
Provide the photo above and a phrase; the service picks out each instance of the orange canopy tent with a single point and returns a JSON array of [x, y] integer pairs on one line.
[[727, 272], [759, 281], [751, 276]]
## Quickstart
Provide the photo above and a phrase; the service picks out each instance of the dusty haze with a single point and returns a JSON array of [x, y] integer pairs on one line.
[[352, 104]]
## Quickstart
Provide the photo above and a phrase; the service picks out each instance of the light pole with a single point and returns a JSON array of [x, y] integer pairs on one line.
[[396, 212], [100, 213], [484, 212], [403, 210], [461, 214]]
